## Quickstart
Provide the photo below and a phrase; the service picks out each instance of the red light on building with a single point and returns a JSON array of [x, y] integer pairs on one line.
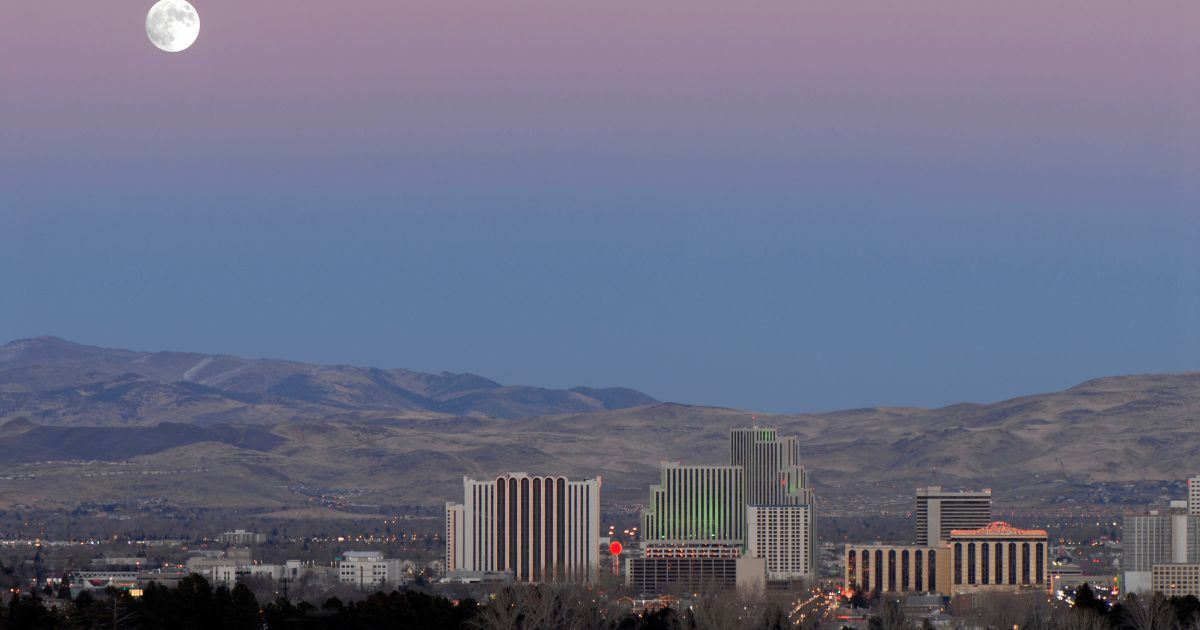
[[615, 548]]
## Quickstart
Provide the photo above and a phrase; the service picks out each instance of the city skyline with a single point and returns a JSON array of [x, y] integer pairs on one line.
[[825, 315]]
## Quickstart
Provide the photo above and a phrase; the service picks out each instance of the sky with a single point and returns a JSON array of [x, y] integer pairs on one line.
[[776, 206]]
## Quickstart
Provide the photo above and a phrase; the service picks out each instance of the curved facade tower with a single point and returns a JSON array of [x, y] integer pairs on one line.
[[540, 529]]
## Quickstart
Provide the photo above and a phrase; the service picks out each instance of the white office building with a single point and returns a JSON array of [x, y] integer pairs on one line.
[[782, 536], [242, 538], [1158, 537], [536, 529], [367, 569]]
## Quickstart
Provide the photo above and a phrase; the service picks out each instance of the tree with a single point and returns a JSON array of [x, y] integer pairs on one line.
[[773, 617], [243, 610], [1148, 613], [716, 611], [27, 612], [1085, 599], [1187, 611], [889, 617]]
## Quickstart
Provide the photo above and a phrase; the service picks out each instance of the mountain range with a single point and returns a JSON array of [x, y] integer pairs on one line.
[[59, 383], [84, 424]]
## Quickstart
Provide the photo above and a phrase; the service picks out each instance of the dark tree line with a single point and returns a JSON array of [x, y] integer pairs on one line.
[[1150, 612], [1032, 611], [194, 604]]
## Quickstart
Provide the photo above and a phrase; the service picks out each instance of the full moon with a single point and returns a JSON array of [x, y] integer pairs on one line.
[[172, 25]]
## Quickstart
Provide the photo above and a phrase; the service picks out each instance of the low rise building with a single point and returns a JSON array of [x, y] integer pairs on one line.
[[999, 557], [367, 569], [1176, 579], [112, 562], [242, 538], [99, 581], [665, 575], [897, 568], [236, 563], [229, 574]]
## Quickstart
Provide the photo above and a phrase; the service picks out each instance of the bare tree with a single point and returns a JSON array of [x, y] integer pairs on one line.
[[716, 611], [546, 607], [1038, 616], [891, 615], [504, 612], [772, 616], [1148, 613], [1075, 618], [1005, 610], [117, 614]]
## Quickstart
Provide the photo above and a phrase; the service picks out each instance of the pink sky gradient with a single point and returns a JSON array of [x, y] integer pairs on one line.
[[598, 95]]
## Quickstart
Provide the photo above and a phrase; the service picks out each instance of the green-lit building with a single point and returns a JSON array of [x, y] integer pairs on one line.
[[696, 505]]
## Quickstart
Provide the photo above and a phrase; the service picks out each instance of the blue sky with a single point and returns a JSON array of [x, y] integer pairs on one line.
[[779, 207], [775, 313]]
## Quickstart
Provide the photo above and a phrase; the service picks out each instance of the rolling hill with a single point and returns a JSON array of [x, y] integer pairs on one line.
[[212, 432]]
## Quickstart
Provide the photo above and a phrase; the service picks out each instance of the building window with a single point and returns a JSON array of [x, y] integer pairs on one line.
[[501, 522], [1012, 563], [866, 570], [851, 569], [958, 562], [536, 535], [919, 574], [932, 586], [1025, 563], [904, 584], [560, 510], [999, 562], [879, 569], [1041, 563], [983, 567], [891, 579], [971, 563]]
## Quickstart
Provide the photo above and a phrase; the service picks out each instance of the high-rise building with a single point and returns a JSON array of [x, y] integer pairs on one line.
[[536, 528], [782, 536], [1194, 495], [695, 505], [692, 530], [941, 511], [759, 508], [1158, 537], [773, 474], [777, 496]]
